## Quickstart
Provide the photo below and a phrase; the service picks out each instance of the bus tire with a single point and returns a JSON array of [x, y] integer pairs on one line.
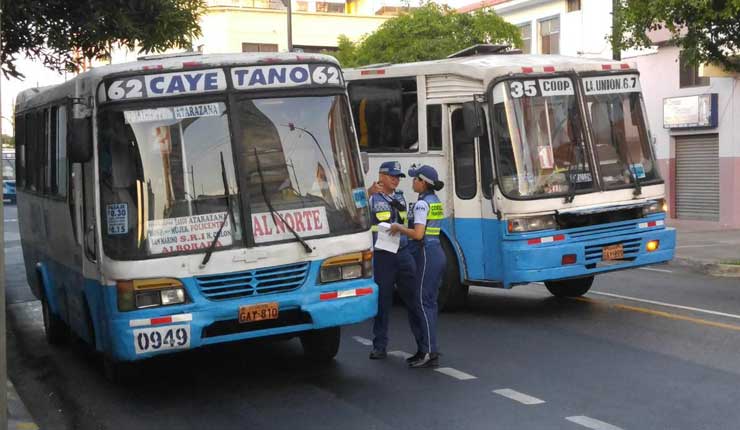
[[321, 345], [55, 329], [570, 287], [453, 294]]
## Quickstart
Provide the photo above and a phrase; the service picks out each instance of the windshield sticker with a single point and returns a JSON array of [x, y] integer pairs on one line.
[[541, 87], [167, 84], [194, 111], [306, 222], [187, 233], [360, 197], [147, 115], [611, 84], [547, 160], [173, 113], [117, 218], [580, 178], [283, 76], [638, 169]]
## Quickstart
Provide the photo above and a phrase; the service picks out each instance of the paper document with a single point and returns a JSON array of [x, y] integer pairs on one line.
[[387, 241]]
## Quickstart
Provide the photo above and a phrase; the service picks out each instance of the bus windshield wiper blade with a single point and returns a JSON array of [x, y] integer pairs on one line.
[[572, 183], [275, 213], [626, 152], [229, 215]]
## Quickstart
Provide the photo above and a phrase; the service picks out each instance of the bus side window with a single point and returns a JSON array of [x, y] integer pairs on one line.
[[466, 181], [20, 148], [434, 127], [486, 168]]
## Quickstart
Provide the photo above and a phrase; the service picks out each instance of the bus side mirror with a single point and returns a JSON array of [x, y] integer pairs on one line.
[[473, 119], [79, 139], [365, 159]]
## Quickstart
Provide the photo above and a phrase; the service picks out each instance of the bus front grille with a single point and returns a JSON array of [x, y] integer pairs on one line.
[[270, 280], [287, 318], [631, 247]]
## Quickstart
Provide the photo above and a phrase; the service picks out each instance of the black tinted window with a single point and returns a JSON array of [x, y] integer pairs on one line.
[[464, 158], [434, 127]]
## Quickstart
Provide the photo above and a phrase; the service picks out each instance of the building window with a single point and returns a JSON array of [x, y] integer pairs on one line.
[[526, 30], [314, 49], [259, 47], [329, 7], [574, 5], [550, 36], [689, 75]]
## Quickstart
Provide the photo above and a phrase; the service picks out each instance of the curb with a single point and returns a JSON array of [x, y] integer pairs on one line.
[[18, 416], [708, 267]]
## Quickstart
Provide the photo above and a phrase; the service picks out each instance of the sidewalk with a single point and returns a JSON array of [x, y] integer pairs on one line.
[[706, 247], [18, 416]]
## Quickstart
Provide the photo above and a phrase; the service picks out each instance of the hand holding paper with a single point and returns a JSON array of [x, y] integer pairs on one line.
[[387, 241]]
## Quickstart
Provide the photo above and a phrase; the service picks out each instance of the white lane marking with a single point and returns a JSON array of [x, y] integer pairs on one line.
[[449, 371], [519, 397], [10, 248], [592, 423], [362, 340], [668, 305], [655, 270], [11, 220], [697, 246], [400, 354]]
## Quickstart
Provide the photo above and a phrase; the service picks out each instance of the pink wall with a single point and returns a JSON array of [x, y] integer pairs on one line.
[[729, 188]]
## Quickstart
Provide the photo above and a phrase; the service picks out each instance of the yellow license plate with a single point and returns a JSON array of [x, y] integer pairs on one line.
[[260, 312], [612, 252]]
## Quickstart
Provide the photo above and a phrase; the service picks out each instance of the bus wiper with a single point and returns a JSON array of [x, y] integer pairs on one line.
[[627, 156], [229, 215], [574, 161], [275, 213]]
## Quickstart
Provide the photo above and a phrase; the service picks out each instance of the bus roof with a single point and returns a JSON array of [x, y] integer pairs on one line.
[[487, 67], [85, 83]]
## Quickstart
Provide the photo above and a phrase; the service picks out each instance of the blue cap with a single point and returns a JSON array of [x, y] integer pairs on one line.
[[426, 173], [392, 168]]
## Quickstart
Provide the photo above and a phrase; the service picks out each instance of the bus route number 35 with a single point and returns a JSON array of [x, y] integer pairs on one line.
[[155, 339]]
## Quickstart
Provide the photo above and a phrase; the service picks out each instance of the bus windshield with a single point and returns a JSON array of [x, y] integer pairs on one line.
[[166, 174], [614, 108], [539, 139]]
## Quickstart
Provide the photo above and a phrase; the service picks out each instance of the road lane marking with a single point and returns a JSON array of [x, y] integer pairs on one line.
[[519, 397], [668, 305], [696, 246], [11, 220], [592, 423], [362, 340], [664, 314], [400, 354], [10, 248], [655, 270], [449, 371]]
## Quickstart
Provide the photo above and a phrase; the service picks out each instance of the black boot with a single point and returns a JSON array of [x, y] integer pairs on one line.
[[430, 359], [415, 357], [378, 354]]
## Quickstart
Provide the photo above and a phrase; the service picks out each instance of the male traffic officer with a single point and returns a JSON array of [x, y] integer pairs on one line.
[[389, 269]]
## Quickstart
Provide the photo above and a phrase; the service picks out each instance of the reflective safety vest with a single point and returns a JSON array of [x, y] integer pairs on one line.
[[435, 215], [383, 209]]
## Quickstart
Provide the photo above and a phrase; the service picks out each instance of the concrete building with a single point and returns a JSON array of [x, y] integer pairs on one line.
[[694, 118]]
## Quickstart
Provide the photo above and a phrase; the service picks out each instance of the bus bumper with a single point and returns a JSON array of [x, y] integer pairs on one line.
[[205, 322], [524, 262]]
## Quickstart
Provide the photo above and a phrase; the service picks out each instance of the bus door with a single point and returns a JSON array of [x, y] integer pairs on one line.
[[466, 196]]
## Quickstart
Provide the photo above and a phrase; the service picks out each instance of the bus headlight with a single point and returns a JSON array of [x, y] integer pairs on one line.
[[347, 266], [655, 207], [542, 222], [148, 293]]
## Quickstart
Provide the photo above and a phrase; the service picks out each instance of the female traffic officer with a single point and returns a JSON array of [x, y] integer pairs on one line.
[[424, 228]]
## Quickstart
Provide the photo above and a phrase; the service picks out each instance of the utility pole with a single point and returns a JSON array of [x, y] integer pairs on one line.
[[616, 33], [290, 24]]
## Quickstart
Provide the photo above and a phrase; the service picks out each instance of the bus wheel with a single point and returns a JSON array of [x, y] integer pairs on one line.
[[570, 287], [321, 345], [453, 294], [54, 327]]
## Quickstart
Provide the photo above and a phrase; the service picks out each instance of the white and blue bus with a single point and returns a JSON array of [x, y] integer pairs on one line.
[[549, 167], [182, 201]]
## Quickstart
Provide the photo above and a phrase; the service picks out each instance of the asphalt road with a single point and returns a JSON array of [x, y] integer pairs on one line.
[[645, 349]]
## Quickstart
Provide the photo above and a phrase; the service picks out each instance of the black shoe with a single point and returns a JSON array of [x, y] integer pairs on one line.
[[430, 359], [415, 357], [378, 354]]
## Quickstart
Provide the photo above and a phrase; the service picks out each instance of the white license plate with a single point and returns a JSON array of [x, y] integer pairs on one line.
[[155, 339]]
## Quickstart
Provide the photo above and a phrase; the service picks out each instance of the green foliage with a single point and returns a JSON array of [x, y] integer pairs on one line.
[[62, 33], [429, 32], [708, 31]]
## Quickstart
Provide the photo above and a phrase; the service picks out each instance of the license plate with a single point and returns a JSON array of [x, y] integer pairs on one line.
[[260, 312], [154, 339], [612, 252]]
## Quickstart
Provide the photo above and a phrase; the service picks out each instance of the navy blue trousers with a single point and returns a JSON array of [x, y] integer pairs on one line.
[[391, 270], [430, 266]]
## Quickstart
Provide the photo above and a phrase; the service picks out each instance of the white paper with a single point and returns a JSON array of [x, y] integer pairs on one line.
[[387, 241]]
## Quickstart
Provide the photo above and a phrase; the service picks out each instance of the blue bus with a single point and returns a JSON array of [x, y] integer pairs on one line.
[[548, 163], [182, 201]]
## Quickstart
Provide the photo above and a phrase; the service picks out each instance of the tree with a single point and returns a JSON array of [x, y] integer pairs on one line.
[[429, 32], [64, 33], [708, 31]]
